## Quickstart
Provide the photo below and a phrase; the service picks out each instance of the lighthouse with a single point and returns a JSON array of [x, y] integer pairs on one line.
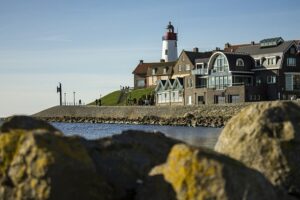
[[169, 45]]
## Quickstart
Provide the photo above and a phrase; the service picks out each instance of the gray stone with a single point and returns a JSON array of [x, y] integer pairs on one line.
[[266, 137]]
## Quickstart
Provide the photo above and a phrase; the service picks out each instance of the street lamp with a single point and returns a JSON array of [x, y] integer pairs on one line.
[[65, 100], [74, 97]]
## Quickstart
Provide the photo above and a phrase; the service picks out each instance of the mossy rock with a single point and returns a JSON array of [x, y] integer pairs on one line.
[[201, 174], [41, 165]]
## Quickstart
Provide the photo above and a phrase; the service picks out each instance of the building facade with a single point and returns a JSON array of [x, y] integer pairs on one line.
[[170, 92], [265, 71]]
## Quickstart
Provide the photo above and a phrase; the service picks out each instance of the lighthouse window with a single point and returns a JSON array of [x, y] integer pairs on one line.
[[166, 52]]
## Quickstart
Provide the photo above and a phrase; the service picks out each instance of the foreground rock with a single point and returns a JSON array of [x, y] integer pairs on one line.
[[203, 174], [38, 162], [266, 137], [125, 160]]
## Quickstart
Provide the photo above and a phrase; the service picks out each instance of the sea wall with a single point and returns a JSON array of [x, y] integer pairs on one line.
[[203, 115]]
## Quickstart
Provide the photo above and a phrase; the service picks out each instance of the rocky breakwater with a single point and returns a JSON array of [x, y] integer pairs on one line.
[[38, 162], [203, 115]]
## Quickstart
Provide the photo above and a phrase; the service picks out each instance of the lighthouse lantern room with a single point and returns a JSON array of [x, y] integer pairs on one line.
[[169, 46]]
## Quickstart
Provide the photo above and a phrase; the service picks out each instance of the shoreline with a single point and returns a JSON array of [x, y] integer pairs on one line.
[[215, 116], [213, 122]]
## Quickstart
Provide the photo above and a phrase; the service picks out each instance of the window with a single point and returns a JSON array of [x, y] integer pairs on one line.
[[166, 52], [291, 62], [188, 67], [271, 61], [240, 62], [153, 71], [179, 68], [190, 100], [271, 79], [165, 71], [296, 82], [258, 81], [220, 64], [257, 63], [293, 50]]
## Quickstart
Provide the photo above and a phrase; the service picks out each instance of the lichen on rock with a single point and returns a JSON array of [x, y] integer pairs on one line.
[[202, 174]]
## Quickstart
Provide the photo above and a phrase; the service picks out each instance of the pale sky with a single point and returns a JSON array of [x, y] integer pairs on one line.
[[92, 46]]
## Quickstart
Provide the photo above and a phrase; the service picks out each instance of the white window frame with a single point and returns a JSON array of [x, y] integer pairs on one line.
[[259, 60], [271, 79], [153, 71], [188, 67], [164, 70], [291, 62], [240, 62], [271, 60], [179, 68]]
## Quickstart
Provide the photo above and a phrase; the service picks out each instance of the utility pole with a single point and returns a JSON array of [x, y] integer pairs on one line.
[[59, 90], [74, 97]]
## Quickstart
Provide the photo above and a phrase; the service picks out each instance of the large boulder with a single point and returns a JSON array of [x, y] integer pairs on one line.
[[25, 123], [266, 137], [200, 174], [125, 160], [38, 162]]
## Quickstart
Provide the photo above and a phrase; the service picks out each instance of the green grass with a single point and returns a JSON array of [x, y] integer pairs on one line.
[[111, 99], [138, 93]]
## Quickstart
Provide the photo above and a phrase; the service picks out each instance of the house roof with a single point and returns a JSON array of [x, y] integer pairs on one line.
[[232, 58], [192, 55], [159, 67], [233, 48], [142, 68], [202, 60], [256, 49]]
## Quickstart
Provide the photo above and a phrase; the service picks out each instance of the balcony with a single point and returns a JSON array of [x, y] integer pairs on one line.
[[200, 71]]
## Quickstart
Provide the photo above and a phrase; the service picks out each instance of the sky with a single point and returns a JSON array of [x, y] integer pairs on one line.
[[92, 46]]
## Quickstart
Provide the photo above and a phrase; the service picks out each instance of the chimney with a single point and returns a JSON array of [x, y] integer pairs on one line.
[[252, 43], [162, 60], [217, 48], [227, 45], [195, 49], [141, 61]]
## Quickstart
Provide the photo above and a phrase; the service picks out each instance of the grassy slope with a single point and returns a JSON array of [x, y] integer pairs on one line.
[[112, 98]]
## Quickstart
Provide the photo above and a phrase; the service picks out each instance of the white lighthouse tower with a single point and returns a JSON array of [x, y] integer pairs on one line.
[[169, 45]]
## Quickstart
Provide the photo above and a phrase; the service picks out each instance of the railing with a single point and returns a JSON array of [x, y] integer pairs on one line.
[[72, 104], [199, 71]]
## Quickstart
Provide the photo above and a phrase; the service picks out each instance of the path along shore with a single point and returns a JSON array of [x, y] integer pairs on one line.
[[202, 115]]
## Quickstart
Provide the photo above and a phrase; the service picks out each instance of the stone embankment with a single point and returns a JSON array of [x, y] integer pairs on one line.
[[204, 115]]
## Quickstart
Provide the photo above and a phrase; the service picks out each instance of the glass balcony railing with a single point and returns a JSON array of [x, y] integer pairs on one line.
[[199, 71]]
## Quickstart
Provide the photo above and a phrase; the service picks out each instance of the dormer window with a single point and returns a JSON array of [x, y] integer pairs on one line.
[[153, 71], [271, 60], [240, 62], [292, 50], [257, 62], [165, 70]]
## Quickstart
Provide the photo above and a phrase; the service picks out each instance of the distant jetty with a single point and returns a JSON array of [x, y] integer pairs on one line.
[[204, 115]]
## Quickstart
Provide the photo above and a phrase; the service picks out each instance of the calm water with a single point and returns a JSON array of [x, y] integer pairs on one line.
[[199, 136]]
